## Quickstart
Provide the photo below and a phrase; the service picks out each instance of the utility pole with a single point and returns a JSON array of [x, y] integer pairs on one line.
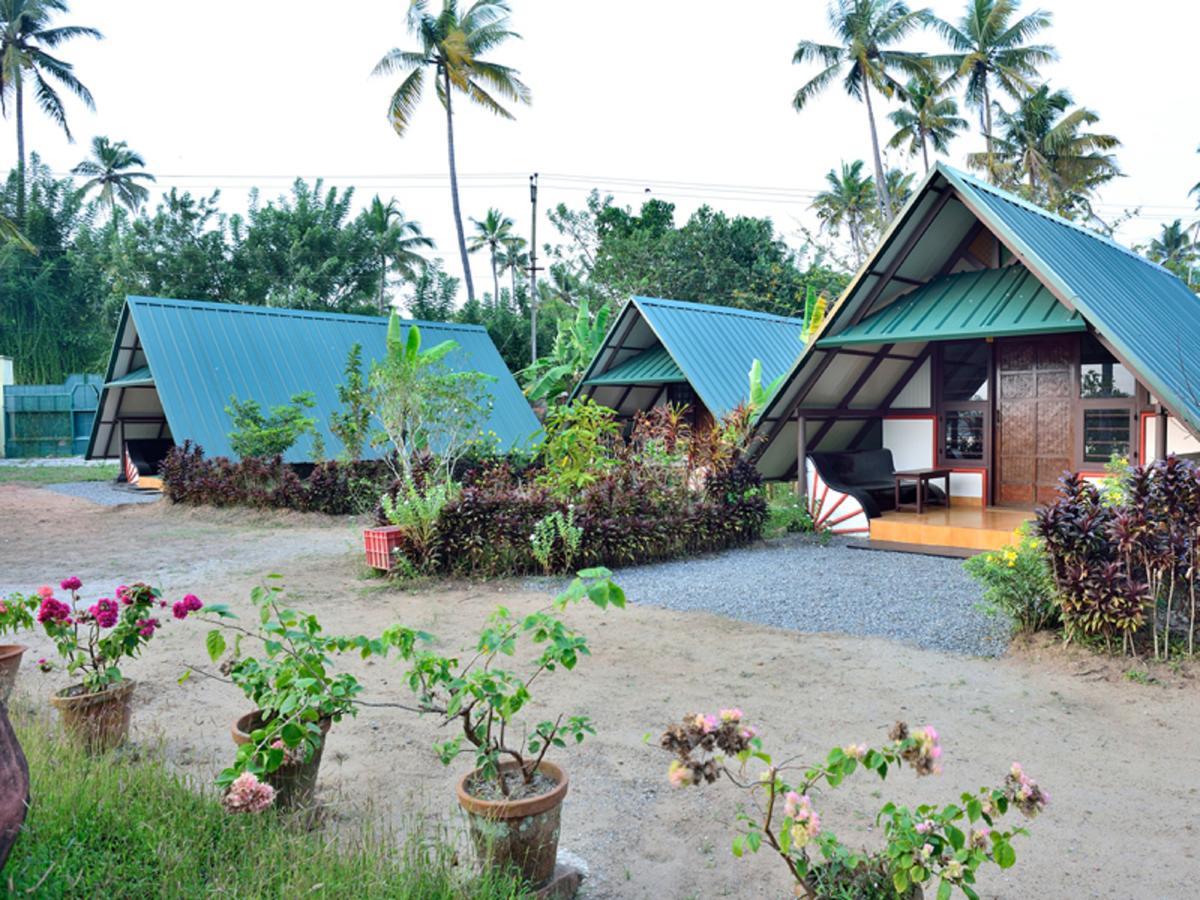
[[533, 269]]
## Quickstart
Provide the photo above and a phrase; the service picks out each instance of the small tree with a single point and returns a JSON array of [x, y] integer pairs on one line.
[[351, 423], [422, 405], [256, 434]]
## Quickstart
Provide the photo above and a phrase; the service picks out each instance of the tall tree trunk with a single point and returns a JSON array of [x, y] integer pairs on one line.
[[512, 269], [20, 152], [881, 189], [462, 239], [495, 279], [382, 281], [924, 152], [987, 131]]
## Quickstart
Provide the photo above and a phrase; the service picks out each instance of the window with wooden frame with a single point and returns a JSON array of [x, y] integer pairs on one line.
[[963, 386], [1108, 406]]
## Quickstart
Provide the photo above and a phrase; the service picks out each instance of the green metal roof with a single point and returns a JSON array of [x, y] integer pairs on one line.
[[200, 354], [653, 366], [988, 303], [1144, 311], [139, 377], [712, 346]]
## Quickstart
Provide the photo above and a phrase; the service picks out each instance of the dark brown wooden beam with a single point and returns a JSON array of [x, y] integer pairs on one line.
[[960, 249]]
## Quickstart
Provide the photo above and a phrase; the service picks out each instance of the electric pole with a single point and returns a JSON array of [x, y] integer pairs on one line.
[[533, 270]]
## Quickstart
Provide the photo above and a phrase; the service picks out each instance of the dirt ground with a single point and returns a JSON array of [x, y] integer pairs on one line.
[[1118, 756]]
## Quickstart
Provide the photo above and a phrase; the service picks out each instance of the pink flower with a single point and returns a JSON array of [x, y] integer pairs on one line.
[[924, 827], [979, 837], [122, 593], [248, 795], [856, 751], [678, 774], [105, 612], [147, 627], [748, 732], [53, 610], [192, 602], [706, 723], [179, 610], [45, 665], [806, 824], [731, 715], [71, 584], [45, 591], [1024, 792], [3, 608]]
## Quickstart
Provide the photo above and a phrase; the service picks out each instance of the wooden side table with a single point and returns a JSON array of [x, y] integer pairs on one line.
[[921, 477]]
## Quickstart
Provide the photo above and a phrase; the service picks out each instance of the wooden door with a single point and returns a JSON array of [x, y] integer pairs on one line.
[[1034, 424]]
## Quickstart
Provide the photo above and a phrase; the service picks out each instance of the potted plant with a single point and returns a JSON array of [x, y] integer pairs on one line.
[[95, 711], [943, 845], [513, 796], [16, 614], [296, 696]]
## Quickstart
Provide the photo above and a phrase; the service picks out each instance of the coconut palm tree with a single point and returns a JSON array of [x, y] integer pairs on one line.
[[989, 46], [865, 29], [514, 259], [11, 234], [930, 117], [493, 232], [1043, 151], [452, 45], [26, 37], [398, 242], [849, 201], [1175, 249], [111, 172]]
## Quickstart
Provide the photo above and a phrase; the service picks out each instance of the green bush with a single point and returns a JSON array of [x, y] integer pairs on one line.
[[259, 435], [787, 515], [1018, 582], [127, 825]]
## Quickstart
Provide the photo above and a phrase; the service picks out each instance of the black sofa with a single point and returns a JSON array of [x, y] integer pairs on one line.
[[868, 477]]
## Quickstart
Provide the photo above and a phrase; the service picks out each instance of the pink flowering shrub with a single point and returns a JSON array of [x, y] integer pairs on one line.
[[943, 844], [91, 640], [248, 795]]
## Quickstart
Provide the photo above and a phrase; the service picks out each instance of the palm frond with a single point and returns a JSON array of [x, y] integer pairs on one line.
[[404, 100]]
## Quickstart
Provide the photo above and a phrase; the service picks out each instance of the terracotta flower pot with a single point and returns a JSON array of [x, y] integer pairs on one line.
[[97, 721], [10, 662], [521, 833], [294, 783]]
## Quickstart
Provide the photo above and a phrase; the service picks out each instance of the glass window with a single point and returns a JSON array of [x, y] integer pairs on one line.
[[1105, 432], [965, 372], [1100, 375], [963, 435]]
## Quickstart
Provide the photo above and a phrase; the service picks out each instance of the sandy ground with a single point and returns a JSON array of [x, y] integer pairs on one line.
[[1120, 758]]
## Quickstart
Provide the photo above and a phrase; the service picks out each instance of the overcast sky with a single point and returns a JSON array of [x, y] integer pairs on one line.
[[689, 98]]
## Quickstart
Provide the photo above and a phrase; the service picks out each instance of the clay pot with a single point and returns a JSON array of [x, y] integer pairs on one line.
[[97, 721], [517, 833], [294, 783], [10, 662]]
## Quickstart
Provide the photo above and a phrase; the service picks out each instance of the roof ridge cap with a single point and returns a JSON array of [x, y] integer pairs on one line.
[[719, 310]]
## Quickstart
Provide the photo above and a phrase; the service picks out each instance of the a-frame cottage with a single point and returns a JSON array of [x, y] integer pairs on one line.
[[986, 347]]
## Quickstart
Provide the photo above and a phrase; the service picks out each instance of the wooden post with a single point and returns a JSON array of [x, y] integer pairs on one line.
[[1160, 433], [801, 459]]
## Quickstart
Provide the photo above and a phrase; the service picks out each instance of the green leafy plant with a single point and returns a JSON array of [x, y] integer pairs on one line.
[[417, 510], [761, 394], [92, 641], [576, 344], [789, 515], [423, 406], [1114, 486], [484, 699], [578, 445], [351, 424], [292, 683], [16, 613], [257, 434], [1018, 582], [943, 844], [556, 530]]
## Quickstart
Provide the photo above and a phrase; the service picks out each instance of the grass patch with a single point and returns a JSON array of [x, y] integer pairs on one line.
[[128, 826], [33, 474]]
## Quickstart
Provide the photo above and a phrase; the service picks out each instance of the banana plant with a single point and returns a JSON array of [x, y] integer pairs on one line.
[[761, 394], [576, 343], [814, 313]]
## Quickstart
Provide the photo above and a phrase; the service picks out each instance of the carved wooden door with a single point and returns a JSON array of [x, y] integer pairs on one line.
[[1035, 419]]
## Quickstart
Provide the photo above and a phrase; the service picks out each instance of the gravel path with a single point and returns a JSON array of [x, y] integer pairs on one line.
[[104, 493], [803, 585]]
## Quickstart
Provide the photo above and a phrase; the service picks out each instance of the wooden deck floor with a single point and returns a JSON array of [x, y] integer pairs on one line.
[[966, 527]]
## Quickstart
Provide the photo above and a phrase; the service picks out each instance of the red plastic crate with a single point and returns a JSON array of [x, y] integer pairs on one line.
[[381, 543]]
